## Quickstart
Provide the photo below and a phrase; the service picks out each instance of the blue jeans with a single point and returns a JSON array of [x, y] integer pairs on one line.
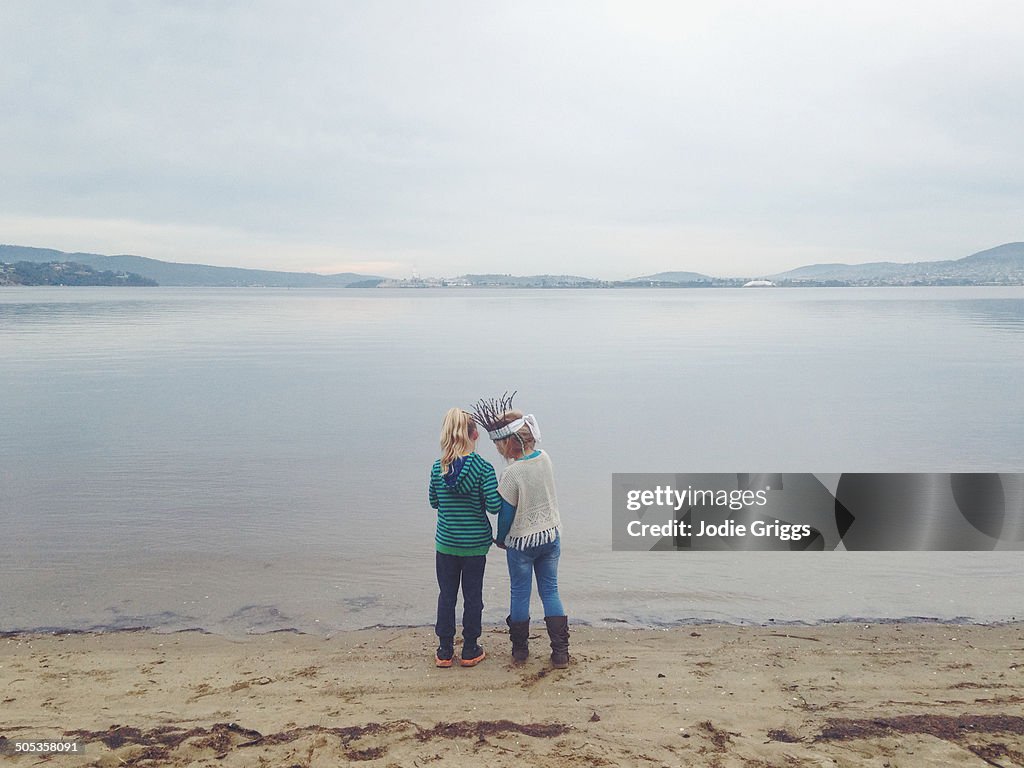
[[453, 570], [522, 564]]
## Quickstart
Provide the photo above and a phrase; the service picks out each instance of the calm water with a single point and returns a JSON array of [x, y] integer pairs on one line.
[[250, 460]]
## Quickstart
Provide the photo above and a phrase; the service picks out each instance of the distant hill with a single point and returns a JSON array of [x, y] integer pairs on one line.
[[672, 277], [65, 273], [1008, 254], [878, 269], [172, 273], [1002, 264]]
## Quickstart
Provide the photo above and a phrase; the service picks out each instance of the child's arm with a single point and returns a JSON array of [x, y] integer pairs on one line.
[[432, 492], [489, 497], [509, 495], [506, 517]]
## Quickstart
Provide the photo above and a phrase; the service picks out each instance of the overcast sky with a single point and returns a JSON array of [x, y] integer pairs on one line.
[[602, 139]]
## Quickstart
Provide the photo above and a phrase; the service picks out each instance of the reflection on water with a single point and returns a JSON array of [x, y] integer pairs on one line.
[[247, 460], [1001, 314]]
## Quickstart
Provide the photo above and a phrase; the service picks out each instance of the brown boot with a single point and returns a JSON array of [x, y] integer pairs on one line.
[[519, 633], [558, 631]]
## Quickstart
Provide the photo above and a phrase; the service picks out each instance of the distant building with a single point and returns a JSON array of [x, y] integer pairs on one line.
[[759, 284]]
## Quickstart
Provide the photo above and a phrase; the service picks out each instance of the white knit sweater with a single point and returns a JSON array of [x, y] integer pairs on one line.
[[529, 486]]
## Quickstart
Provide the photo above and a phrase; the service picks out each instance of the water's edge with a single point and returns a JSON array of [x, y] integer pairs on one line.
[[605, 624]]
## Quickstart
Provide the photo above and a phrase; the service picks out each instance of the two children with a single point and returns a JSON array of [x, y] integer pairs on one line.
[[528, 529]]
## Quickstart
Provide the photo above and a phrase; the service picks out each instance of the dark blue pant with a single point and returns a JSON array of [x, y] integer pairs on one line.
[[453, 570]]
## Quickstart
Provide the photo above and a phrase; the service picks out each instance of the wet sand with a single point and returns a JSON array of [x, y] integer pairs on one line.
[[721, 696]]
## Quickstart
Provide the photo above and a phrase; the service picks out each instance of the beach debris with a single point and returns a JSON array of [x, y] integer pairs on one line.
[[962, 730], [221, 738], [794, 637], [481, 729], [946, 727], [781, 734], [719, 738]]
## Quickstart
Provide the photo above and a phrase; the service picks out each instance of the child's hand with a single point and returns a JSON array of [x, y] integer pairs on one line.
[[500, 544]]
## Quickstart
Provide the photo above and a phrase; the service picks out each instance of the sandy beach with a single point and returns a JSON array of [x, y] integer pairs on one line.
[[848, 694]]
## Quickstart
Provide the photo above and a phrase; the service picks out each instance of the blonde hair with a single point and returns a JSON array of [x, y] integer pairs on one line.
[[524, 437], [457, 434]]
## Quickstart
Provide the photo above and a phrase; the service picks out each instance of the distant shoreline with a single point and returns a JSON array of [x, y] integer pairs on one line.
[[1002, 265]]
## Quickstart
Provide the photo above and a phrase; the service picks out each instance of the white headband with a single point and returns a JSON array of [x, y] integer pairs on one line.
[[510, 429]]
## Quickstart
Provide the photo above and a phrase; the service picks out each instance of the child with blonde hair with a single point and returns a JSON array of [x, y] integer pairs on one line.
[[529, 526], [463, 490]]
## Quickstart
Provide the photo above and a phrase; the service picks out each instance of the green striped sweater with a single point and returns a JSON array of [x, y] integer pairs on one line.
[[462, 525]]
